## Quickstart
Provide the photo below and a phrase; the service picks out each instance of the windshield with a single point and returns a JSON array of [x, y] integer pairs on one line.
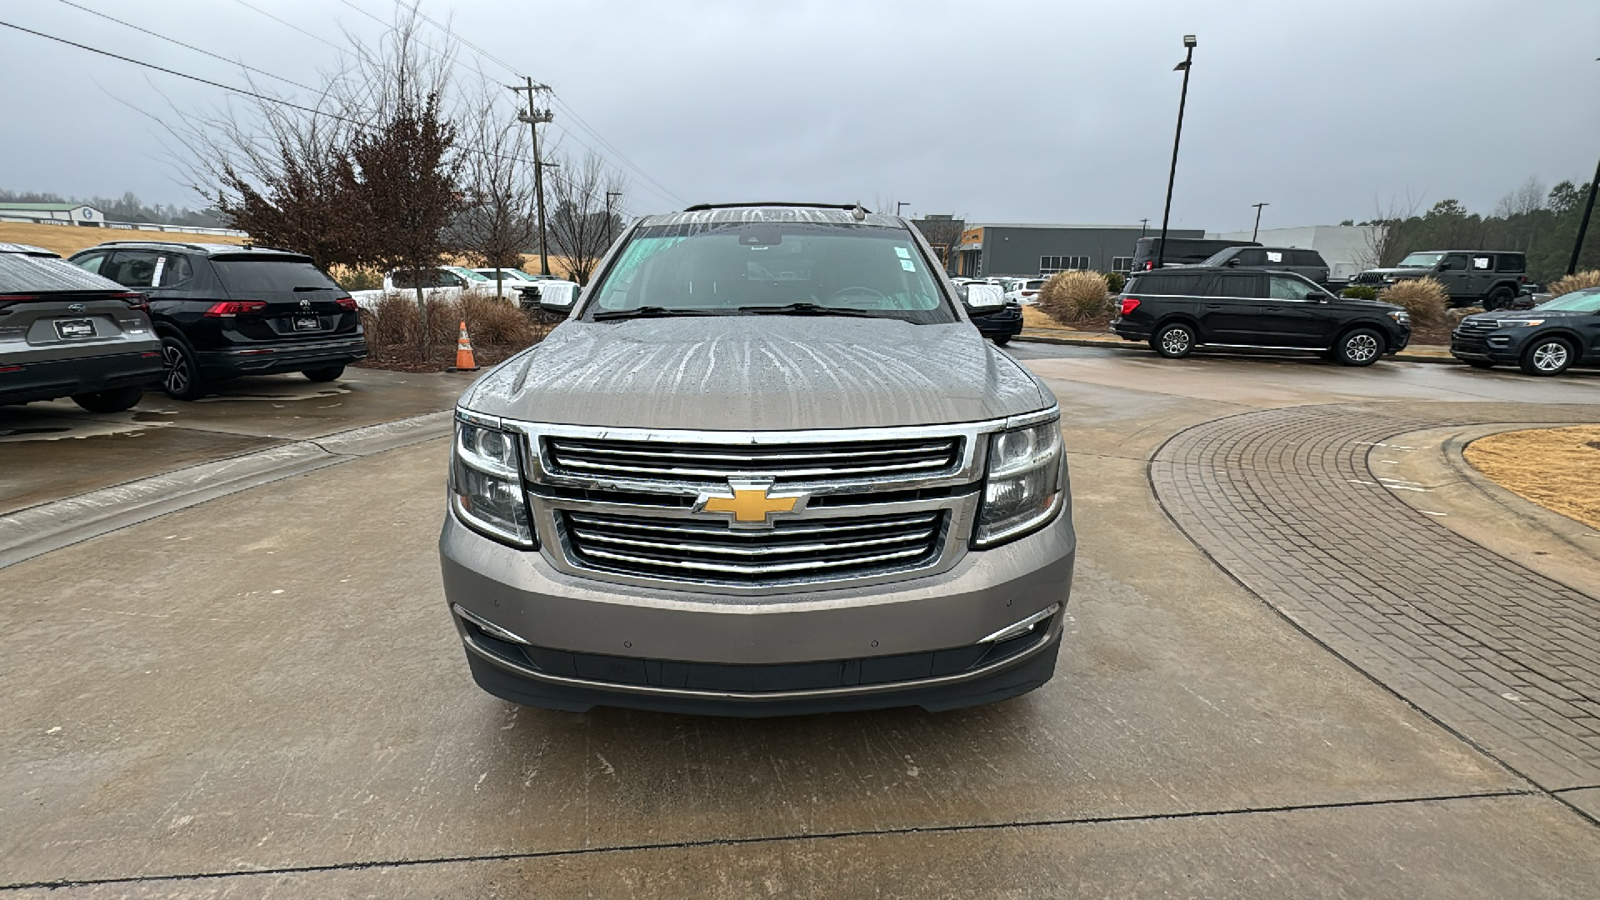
[[468, 274], [805, 268], [505, 274], [1420, 260], [1587, 300]]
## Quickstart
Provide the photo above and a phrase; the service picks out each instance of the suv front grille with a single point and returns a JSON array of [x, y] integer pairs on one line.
[[815, 549], [1368, 278], [715, 463], [1471, 328]]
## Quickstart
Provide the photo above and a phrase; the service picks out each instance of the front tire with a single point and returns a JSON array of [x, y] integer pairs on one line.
[[1546, 356], [181, 380], [115, 400], [1173, 341], [1360, 347], [326, 373], [1499, 298]]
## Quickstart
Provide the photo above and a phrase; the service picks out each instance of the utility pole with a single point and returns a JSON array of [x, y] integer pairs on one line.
[[1183, 98], [1142, 224], [1583, 225], [609, 235], [1257, 230], [536, 117]]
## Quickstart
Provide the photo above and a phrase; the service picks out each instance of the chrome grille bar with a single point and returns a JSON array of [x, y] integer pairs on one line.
[[670, 461]]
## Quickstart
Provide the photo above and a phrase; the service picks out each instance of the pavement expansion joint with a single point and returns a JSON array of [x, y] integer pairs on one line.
[[1286, 503], [770, 839]]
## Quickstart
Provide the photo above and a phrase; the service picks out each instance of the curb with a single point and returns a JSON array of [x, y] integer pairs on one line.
[[1402, 356], [40, 529]]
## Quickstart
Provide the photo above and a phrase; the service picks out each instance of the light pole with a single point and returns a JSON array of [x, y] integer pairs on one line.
[[1183, 98], [900, 204], [609, 194], [1142, 223], [1257, 230], [1583, 224]]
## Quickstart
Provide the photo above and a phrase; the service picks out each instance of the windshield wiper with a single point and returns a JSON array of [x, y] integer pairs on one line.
[[809, 309], [653, 312]]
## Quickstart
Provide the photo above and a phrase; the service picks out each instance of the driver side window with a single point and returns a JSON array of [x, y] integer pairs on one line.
[[1453, 263], [1284, 288]]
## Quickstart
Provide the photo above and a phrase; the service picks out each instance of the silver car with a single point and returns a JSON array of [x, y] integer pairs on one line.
[[766, 466], [67, 333]]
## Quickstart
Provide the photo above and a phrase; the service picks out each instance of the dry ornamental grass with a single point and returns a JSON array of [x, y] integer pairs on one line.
[[496, 328], [1577, 281], [1553, 467], [1424, 298], [1074, 297]]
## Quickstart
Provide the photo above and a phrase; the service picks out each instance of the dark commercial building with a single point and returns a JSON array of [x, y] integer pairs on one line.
[[985, 250]]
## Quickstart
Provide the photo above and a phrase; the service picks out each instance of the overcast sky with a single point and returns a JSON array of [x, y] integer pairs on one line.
[[997, 111]]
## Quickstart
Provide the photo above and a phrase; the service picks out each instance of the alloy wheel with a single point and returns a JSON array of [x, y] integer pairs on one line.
[[1550, 357], [1175, 341], [1361, 347], [177, 376]]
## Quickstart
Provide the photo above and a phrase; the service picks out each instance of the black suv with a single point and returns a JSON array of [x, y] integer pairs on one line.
[[1545, 340], [1179, 251], [223, 310], [1282, 259], [1492, 279], [996, 317], [1176, 310]]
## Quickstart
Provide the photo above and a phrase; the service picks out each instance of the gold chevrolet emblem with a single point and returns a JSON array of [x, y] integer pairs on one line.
[[752, 504]]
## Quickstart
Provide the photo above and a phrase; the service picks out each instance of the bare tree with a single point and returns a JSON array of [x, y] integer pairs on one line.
[[581, 227], [944, 235], [1388, 231], [496, 224]]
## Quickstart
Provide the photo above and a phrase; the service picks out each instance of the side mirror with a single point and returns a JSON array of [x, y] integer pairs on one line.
[[1233, 263], [557, 297], [1317, 296]]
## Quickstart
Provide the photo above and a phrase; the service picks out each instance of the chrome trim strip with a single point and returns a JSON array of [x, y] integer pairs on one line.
[[777, 550], [715, 529], [1018, 629], [736, 569], [489, 626], [687, 693]]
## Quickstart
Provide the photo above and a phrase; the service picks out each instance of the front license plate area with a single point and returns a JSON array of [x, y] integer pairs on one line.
[[74, 329], [307, 323]]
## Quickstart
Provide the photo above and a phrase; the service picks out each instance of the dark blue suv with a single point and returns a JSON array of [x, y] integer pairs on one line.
[[1545, 340], [223, 311]]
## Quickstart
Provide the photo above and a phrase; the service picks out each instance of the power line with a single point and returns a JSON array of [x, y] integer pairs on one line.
[[169, 40], [289, 24], [366, 126]]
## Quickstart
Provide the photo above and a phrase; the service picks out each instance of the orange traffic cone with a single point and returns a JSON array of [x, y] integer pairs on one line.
[[464, 360]]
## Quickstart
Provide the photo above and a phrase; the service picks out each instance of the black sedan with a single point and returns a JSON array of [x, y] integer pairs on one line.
[[1545, 340]]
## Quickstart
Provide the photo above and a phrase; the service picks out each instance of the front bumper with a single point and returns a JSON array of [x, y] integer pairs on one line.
[[918, 642], [1503, 346], [268, 359], [54, 378]]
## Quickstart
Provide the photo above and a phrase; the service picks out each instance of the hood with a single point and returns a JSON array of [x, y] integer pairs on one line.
[[1409, 270], [758, 373], [1535, 313]]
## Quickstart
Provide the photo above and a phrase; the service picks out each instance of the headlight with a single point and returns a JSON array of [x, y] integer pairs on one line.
[[1516, 323], [486, 484], [1401, 316], [1023, 488]]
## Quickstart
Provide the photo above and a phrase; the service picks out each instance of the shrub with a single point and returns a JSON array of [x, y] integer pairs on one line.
[[1115, 282], [1070, 297], [495, 321], [394, 327], [1577, 281], [357, 279], [1360, 292], [1424, 298]]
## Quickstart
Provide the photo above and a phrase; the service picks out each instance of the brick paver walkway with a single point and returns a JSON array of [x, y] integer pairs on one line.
[[1507, 658]]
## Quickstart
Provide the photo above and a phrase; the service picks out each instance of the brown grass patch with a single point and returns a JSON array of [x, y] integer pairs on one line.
[[1074, 297], [1553, 467], [69, 239]]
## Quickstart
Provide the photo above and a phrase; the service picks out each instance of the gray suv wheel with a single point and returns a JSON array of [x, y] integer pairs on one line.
[[1174, 341], [1546, 356], [1360, 347]]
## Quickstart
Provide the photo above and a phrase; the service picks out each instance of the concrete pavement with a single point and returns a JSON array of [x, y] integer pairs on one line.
[[262, 695]]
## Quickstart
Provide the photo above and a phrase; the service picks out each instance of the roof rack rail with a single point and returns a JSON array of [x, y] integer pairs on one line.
[[174, 243], [701, 207]]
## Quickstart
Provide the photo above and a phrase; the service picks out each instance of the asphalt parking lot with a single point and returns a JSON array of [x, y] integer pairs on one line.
[[1284, 675]]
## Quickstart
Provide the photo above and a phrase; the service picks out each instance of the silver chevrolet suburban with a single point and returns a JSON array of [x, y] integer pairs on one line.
[[766, 467]]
